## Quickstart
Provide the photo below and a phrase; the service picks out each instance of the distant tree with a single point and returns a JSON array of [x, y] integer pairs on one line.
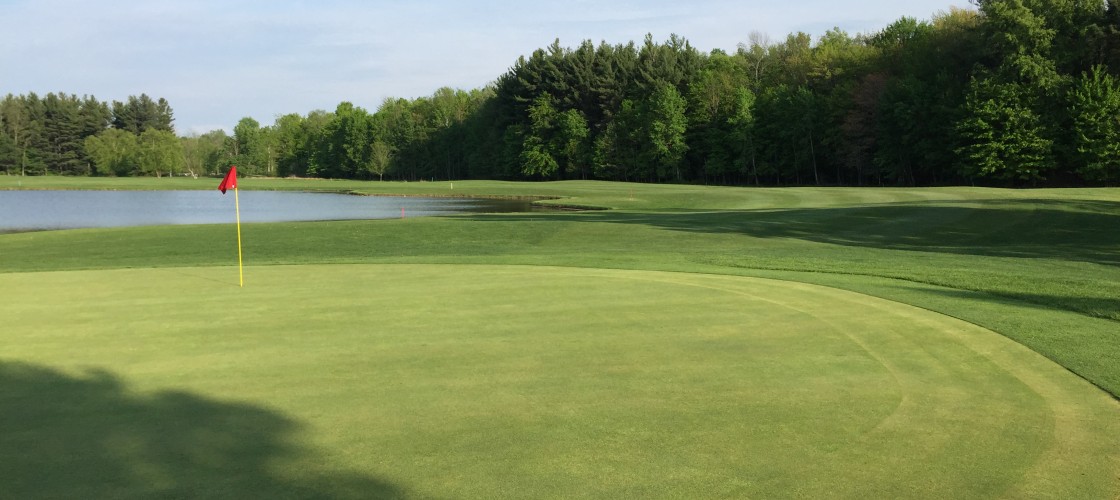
[[379, 159], [1015, 93], [1110, 28], [139, 114], [572, 143], [94, 116], [159, 152], [9, 153], [711, 104], [249, 150], [673, 63], [205, 154], [33, 159], [215, 155], [667, 126], [404, 132], [903, 121], [755, 56], [1003, 137], [1095, 106], [343, 148], [290, 140], [860, 127], [538, 154], [443, 115], [791, 61], [742, 133], [16, 128], [618, 151], [786, 126], [297, 139], [928, 67], [61, 141], [114, 152]]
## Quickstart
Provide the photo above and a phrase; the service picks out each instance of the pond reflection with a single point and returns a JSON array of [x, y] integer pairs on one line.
[[42, 210]]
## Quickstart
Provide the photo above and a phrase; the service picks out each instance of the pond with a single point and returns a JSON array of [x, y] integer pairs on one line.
[[45, 210]]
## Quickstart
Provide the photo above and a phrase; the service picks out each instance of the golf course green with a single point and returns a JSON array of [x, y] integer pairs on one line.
[[687, 342]]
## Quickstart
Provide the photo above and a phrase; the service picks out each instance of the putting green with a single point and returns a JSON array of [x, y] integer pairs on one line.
[[497, 381]]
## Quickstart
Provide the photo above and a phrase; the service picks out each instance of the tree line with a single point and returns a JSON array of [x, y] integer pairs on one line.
[[63, 134], [1013, 92]]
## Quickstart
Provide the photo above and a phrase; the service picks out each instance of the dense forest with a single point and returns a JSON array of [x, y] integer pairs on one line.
[[1015, 92]]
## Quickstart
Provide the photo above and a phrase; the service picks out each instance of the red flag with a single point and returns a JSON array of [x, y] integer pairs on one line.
[[230, 182]]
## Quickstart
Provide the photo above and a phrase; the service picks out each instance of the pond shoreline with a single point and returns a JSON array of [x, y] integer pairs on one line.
[[564, 207], [31, 210], [532, 199]]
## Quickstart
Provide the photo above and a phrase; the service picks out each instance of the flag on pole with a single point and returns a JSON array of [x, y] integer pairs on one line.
[[230, 182]]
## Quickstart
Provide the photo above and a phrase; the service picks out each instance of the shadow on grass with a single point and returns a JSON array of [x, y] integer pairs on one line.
[[1086, 346], [90, 437], [1087, 231], [1097, 306]]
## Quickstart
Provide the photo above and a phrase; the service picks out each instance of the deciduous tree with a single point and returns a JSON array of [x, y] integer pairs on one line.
[[1095, 106], [114, 152]]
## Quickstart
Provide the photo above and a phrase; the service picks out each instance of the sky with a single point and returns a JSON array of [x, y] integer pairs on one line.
[[217, 61]]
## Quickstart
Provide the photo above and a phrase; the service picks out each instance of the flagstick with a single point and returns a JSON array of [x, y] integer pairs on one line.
[[237, 203]]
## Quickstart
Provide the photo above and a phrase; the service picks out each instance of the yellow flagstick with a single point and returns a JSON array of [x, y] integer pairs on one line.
[[237, 203]]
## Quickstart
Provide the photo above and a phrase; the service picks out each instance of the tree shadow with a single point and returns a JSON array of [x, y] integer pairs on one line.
[[1087, 348], [1035, 228], [89, 436], [1096, 306]]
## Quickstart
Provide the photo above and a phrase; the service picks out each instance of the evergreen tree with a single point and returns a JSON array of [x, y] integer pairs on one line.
[[62, 140], [139, 114]]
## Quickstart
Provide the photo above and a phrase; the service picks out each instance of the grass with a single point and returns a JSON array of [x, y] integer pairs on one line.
[[484, 381], [551, 354]]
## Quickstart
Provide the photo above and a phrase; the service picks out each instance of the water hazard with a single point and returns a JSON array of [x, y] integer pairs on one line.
[[45, 210]]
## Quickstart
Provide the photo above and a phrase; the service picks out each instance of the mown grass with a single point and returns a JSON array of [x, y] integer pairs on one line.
[[1051, 253], [1037, 266], [481, 381]]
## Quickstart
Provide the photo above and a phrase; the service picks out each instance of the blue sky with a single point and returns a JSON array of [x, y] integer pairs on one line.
[[217, 61]]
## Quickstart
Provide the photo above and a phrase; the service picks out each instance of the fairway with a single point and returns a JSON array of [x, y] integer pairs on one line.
[[427, 380]]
